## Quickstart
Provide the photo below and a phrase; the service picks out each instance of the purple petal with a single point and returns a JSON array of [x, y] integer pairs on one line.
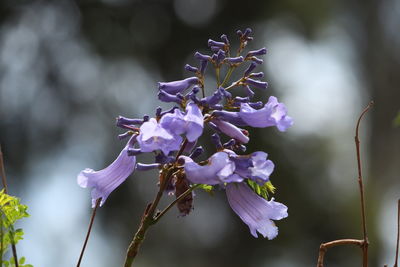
[[153, 137], [165, 97], [256, 83], [177, 86], [225, 39], [259, 52], [229, 116], [220, 169], [202, 57], [251, 67], [191, 68], [213, 99], [191, 123], [215, 43], [194, 122], [272, 114], [231, 131], [262, 168], [105, 181], [234, 60], [254, 210]]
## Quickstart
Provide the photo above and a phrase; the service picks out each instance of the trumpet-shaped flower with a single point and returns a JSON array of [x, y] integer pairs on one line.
[[255, 166], [231, 130], [220, 169], [103, 182], [190, 123], [254, 210], [154, 137], [177, 86], [272, 114]]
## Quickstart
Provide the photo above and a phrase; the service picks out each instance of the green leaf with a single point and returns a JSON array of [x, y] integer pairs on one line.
[[208, 188], [11, 210], [261, 190], [21, 261]]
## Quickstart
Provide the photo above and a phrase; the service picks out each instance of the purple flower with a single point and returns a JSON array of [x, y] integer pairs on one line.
[[231, 131], [191, 123], [255, 166], [272, 114], [230, 116], [165, 97], [259, 52], [153, 137], [202, 57], [258, 84], [254, 210], [191, 68], [249, 69], [177, 86], [220, 169], [216, 44], [234, 60], [213, 99], [105, 181]]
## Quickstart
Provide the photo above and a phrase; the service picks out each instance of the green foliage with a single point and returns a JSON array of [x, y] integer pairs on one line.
[[261, 190], [21, 263], [208, 188], [11, 210], [396, 121]]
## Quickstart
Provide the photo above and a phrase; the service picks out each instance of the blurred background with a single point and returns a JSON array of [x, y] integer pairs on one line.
[[68, 68]]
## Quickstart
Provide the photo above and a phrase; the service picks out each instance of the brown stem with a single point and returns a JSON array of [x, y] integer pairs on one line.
[[324, 247], [147, 218], [3, 172], [181, 196], [361, 186], [4, 181], [88, 232], [398, 233], [363, 244]]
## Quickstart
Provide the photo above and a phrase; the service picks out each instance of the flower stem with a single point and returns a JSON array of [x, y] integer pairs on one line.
[[217, 74], [88, 232], [147, 219], [227, 76], [184, 194]]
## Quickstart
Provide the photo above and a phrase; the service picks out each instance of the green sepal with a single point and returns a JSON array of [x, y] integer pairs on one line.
[[208, 188], [261, 190]]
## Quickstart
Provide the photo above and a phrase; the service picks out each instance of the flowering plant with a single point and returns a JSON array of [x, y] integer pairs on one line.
[[172, 137]]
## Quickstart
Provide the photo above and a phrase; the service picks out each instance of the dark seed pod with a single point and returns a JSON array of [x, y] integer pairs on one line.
[[185, 205]]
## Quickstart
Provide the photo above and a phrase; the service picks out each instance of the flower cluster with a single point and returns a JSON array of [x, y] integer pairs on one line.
[[172, 136]]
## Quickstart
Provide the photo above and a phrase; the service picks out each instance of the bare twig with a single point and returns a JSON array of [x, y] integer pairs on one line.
[[88, 232], [360, 183], [363, 244], [4, 181], [398, 233], [3, 172], [324, 247]]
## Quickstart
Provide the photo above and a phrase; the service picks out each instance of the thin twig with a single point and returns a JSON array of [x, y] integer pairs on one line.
[[89, 230], [363, 244], [4, 181], [324, 247], [181, 196], [398, 233], [147, 217], [361, 186], [3, 172]]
